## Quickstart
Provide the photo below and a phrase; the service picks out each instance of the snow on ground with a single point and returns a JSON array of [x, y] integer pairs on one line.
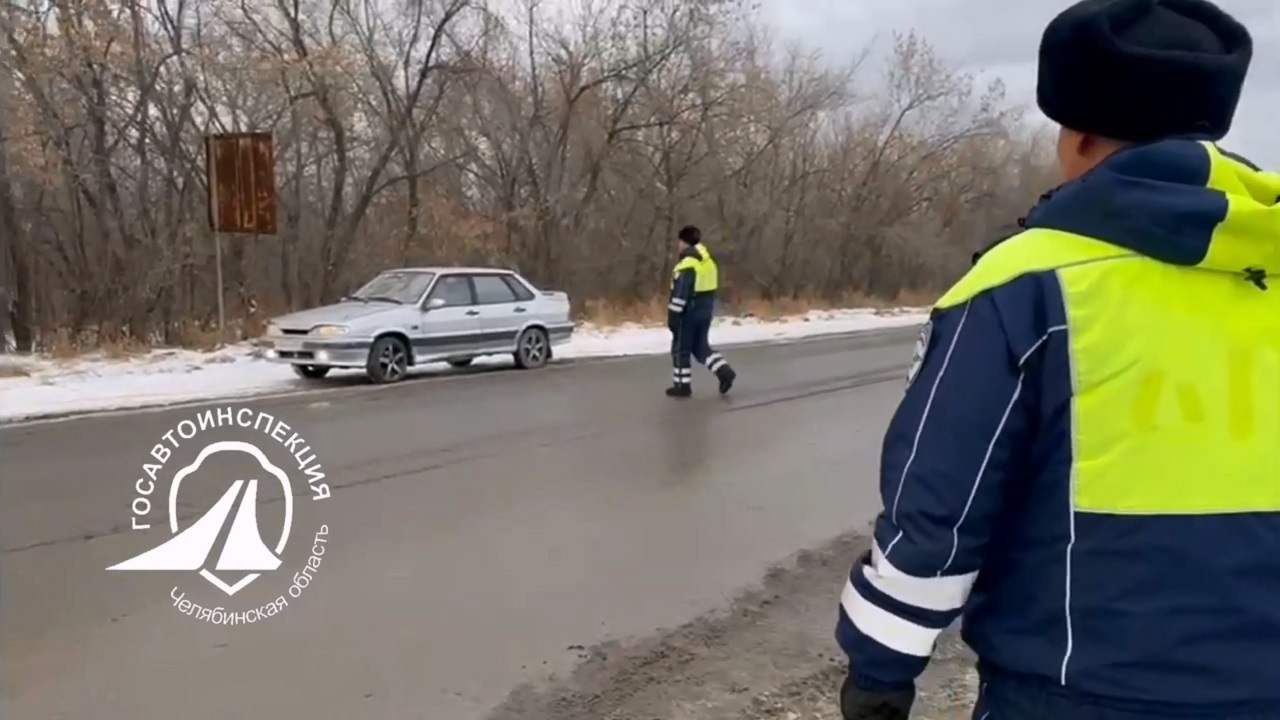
[[33, 387]]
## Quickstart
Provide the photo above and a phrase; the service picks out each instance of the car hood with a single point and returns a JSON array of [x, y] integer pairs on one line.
[[343, 312]]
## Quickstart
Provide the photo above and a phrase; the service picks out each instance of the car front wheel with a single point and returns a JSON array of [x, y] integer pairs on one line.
[[533, 349], [388, 360], [311, 372]]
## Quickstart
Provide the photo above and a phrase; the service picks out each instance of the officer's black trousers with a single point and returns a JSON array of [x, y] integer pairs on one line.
[[691, 341]]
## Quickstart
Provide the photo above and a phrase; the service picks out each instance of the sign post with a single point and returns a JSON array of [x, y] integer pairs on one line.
[[222, 288], [241, 172]]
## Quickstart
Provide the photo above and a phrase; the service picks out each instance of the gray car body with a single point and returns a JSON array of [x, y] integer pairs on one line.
[[433, 334]]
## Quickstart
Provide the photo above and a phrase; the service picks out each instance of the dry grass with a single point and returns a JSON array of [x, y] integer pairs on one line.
[[609, 314], [112, 344], [9, 369], [207, 337], [69, 346]]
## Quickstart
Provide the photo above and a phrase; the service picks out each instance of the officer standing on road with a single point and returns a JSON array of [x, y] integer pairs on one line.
[[1086, 462], [689, 313]]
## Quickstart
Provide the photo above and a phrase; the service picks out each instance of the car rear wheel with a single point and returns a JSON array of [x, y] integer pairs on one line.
[[533, 349], [461, 362], [388, 360], [311, 372]]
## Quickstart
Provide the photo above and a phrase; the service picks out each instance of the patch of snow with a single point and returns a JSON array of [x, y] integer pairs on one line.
[[33, 387], [647, 340]]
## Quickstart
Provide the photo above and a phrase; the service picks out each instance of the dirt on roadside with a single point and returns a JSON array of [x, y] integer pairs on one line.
[[945, 692], [769, 656]]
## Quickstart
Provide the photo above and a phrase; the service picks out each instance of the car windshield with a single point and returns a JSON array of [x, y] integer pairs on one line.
[[398, 286]]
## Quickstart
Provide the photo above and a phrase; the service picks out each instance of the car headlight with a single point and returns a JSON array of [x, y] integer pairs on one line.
[[271, 329], [328, 330]]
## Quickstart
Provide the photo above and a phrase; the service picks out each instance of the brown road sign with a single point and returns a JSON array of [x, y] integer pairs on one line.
[[242, 183]]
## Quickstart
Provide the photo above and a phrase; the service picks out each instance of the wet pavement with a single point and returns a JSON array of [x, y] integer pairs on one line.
[[505, 545]]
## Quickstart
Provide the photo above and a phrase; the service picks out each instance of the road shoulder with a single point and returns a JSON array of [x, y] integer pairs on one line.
[[770, 655]]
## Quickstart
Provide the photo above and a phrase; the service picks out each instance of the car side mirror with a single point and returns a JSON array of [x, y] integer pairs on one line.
[[435, 304]]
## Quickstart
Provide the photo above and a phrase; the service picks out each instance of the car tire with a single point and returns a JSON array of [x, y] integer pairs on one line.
[[388, 360], [311, 372], [460, 362], [533, 349]]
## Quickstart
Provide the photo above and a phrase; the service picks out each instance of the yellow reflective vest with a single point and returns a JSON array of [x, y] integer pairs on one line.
[[694, 282]]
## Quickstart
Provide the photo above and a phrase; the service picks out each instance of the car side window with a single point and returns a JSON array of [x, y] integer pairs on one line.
[[522, 293], [455, 290], [491, 290]]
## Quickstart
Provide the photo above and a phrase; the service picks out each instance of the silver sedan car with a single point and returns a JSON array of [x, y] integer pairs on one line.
[[414, 316]]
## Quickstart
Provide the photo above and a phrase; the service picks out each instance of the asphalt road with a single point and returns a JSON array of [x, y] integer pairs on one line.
[[554, 544]]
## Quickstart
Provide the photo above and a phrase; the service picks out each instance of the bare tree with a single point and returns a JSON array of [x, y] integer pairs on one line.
[[572, 145]]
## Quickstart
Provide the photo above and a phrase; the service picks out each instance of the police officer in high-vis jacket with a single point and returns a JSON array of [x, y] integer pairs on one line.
[[1085, 466], [689, 313]]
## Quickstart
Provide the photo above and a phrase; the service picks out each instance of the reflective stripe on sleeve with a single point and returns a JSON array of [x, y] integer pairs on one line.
[[948, 592], [886, 628]]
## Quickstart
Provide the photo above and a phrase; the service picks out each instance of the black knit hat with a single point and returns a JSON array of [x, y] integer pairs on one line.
[[1141, 70], [690, 234]]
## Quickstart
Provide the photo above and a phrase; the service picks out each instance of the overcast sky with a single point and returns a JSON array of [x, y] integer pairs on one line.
[[1000, 38]]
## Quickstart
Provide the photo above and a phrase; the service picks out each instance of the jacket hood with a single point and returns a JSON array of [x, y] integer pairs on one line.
[[1181, 202]]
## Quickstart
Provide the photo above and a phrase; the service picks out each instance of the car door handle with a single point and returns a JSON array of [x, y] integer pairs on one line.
[[519, 309], [473, 312]]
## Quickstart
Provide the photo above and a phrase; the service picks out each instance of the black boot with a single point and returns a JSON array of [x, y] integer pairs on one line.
[[679, 391], [727, 376]]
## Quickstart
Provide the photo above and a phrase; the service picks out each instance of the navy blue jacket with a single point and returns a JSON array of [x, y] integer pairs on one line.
[[975, 476]]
